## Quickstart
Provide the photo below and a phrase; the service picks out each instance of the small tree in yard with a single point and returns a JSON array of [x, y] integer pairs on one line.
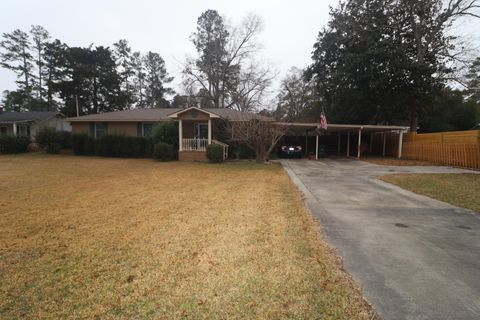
[[258, 134]]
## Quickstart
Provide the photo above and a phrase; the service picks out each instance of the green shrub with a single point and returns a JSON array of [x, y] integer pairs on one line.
[[83, 144], [148, 147], [11, 144], [215, 153], [138, 147], [89, 146], [53, 148], [46, 136], [112, 146], [166, 132], [163, 151], [78, 142], [53, 141]]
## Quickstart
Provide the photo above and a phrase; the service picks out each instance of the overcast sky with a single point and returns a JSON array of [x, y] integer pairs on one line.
[[291, 27]]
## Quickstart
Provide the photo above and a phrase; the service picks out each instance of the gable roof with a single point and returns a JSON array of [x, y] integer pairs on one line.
[[175, 114], [35, 116], [162, 114]]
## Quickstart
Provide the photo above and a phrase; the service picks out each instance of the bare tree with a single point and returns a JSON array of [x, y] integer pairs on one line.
[[251, 88], [222, 53], [296, 96], [258, 133]]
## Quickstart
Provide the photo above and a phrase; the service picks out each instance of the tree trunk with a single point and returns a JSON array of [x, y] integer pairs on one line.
[[260, 154]]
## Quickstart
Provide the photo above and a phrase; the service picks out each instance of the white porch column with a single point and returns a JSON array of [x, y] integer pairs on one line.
[[400, 144], [316, 148], [180, 135], [359, 142], [339, 142], [15, 129], [384, 143], [209, 131], [348, 144]]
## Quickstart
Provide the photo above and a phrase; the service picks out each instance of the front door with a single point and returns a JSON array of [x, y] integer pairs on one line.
[[201, 131]]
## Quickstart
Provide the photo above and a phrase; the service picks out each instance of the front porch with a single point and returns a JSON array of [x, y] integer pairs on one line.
[[195, 133]]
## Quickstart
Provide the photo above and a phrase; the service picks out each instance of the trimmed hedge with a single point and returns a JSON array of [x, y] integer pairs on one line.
[[83, 144], [215, 153], [53, 141], [11, 144], [163, 151], [112, 146]]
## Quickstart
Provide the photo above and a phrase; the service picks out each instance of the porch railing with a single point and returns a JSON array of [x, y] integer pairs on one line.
[[225, 148], [201, 145], [194, 144]]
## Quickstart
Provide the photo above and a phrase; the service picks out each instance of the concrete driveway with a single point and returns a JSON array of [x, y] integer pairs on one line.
[[415, 257]]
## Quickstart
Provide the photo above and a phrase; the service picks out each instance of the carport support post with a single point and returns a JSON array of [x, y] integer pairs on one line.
[[348, 144], [384, 143], [339, 142], [359, 142], [371, 143], [14, 128], [209, 131], [180, 135], [316, 148], [400, 144]]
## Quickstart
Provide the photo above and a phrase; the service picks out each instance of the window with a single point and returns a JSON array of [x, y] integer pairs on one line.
[[147, 129], [3, 131], [22, 131], [100, 130]]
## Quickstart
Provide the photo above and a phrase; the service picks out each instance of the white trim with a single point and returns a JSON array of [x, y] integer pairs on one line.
[[180, 135], [14, 128], [316, 149], [209, 131], [359, 142], [175, 114]]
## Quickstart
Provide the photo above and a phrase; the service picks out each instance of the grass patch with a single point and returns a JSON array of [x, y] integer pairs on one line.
[[459, 189], [86, 237], [389, 161]]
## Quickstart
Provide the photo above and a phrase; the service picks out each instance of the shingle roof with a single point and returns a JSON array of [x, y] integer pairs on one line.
[[159, 114], [10, 116]]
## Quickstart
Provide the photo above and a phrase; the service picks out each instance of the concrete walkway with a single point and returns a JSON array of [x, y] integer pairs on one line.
[[415, 257]]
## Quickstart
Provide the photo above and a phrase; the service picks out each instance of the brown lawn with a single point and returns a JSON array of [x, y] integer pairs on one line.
[[115, 238], [462, 190]]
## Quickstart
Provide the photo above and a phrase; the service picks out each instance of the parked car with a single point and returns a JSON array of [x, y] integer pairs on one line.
[[290, 151]]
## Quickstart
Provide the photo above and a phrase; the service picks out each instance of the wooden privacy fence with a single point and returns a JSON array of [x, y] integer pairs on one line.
[[456, 148]]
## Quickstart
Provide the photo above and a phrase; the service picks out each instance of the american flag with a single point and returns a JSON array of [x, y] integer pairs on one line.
[[323, 121]]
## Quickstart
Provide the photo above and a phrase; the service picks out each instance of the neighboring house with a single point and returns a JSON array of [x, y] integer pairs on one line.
[[28, 123], [200, 127]]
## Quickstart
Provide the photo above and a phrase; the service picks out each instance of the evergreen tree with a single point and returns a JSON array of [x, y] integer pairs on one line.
[[40, 38], [16, 56], [123, 59], [156, 77]]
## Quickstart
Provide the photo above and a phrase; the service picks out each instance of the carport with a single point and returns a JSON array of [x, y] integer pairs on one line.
[[352, 140]]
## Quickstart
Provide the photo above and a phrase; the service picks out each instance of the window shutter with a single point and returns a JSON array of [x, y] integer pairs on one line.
[[139, 129]]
